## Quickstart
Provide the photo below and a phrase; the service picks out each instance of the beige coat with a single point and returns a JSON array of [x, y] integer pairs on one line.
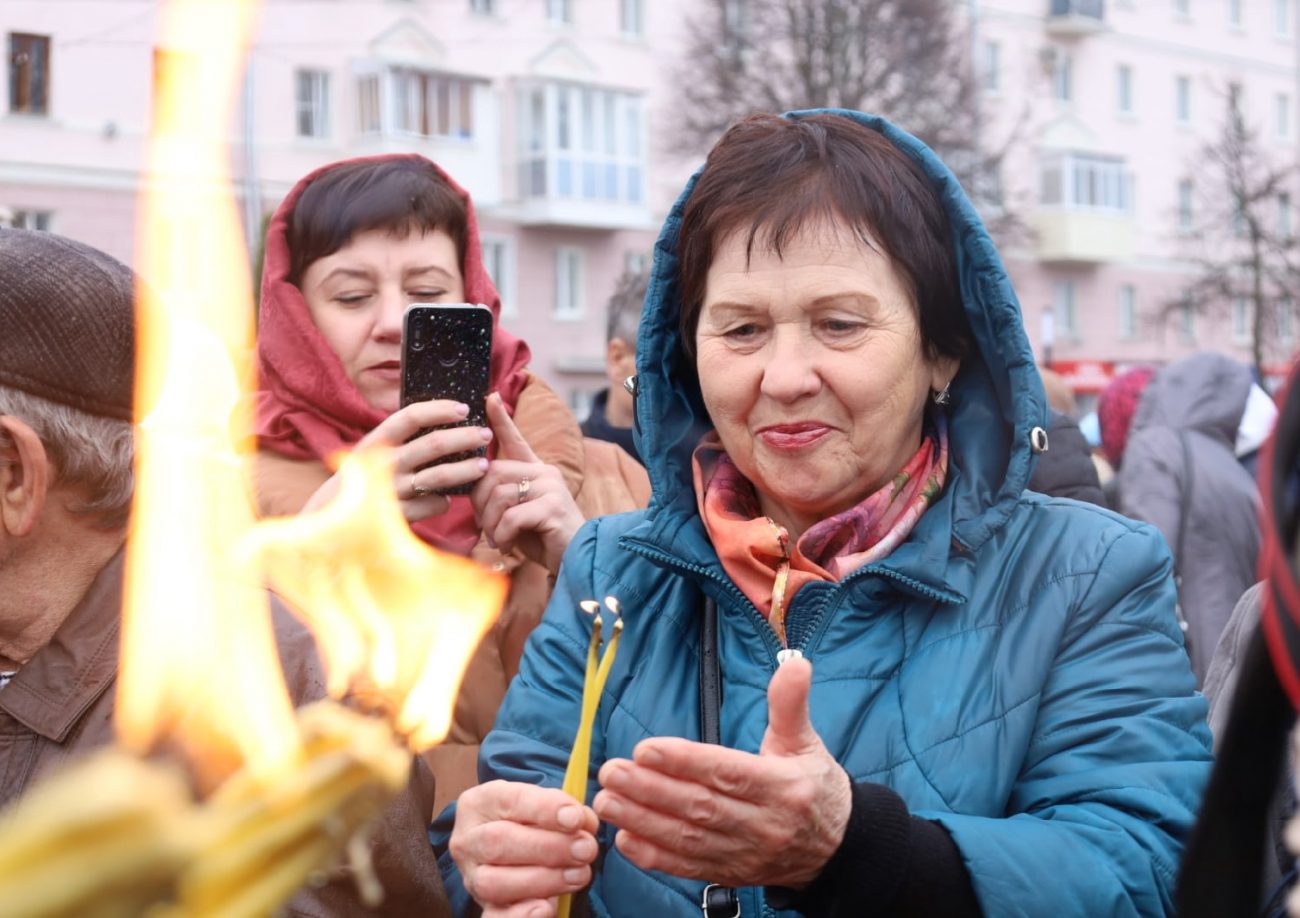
[[602, 477]]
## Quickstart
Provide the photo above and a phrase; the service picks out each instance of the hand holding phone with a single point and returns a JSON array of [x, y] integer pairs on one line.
[[447, 354]]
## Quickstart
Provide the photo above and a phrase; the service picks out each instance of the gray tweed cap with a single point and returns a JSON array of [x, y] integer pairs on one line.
[[67, 322]]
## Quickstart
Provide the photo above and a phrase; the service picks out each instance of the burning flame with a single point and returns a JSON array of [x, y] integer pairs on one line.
[[199, 663], [394, 618]]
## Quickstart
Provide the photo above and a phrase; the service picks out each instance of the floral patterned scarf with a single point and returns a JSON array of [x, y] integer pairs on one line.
[[755, 551]]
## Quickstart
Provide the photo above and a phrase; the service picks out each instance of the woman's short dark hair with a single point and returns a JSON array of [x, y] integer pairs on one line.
[[396, 195], [772, 176]]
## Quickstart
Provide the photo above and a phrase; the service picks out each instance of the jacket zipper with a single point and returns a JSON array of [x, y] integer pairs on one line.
[[765, 630]]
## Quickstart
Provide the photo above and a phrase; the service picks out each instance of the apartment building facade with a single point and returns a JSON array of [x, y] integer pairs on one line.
[[553, 113], [542, 109], [1109, 106]]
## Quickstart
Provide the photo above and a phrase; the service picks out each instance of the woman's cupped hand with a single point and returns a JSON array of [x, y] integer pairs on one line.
[[711, 813], [690, 809], [416, 486], [519, 847]]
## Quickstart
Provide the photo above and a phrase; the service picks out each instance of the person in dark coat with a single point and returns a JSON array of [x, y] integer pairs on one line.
[[1066, 469], [1180, 472]]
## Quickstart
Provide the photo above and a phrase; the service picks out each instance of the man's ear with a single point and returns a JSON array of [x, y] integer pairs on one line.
[[25, 476], [616, 353]]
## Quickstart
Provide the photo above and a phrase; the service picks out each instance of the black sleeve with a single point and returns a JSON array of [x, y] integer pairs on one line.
[[890, 863]]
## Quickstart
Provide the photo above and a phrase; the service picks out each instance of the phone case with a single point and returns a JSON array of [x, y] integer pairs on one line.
[[447, 354]]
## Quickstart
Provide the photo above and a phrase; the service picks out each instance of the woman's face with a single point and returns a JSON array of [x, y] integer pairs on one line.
[[812, 370], [357, 297]]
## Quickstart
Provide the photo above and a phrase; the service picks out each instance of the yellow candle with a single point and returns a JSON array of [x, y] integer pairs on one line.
[[593, 686]]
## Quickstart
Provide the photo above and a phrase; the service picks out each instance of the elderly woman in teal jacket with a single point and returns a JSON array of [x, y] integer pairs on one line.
[[939, 693]]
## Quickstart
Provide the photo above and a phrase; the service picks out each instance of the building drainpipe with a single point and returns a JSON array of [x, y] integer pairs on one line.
[[252, 199], [978, 95]]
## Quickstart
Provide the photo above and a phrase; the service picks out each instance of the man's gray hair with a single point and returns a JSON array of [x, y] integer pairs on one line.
[[625, 307], [90, 452]]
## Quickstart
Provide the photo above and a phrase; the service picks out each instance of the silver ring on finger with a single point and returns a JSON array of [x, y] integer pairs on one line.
[[525, 484], [419, 490]]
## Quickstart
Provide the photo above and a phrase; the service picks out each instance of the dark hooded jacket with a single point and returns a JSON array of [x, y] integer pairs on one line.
[[1013, 671], [1181, 474], [1066, 469]]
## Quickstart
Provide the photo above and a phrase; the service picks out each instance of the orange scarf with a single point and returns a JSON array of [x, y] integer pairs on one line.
[[755, 551]]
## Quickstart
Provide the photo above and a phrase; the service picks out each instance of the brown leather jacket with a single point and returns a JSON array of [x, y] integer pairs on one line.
[[60, 705], [603, 479]]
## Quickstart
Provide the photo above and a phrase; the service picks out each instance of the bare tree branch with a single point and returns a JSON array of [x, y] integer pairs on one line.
[[906, 59], [1240, 245]]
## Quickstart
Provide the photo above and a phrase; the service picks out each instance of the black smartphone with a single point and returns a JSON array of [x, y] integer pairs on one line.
[[447, 354]]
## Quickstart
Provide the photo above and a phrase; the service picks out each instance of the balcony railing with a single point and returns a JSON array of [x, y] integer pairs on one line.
[[1091, 8], [1075, 17]]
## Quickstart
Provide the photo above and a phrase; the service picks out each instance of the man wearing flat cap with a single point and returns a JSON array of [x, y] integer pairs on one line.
[[67, 338]]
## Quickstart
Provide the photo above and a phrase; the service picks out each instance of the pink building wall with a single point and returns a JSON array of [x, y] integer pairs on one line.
[[1157, 43], [81, 161]]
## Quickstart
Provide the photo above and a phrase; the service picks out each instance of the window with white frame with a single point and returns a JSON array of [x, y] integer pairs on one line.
[[1282, 17], [1082, 181], [1127, 312], [559, 11], [1063, 77], [483, 7], [1234, 13], [370, 105], [631, 17], [1063, 308], [569, 292], [1185, 214], [1286, 321], [1124, 89], [1187, 320], [1284, 216], [1240, 320], [636, 262], [735, 19], [1183, 99], [580, 402], [312, 95], [499, 261], [1240, 227], [26, 218], [407, 101], [991, 67], [581, 143], [1282, 116], [1236, 101]]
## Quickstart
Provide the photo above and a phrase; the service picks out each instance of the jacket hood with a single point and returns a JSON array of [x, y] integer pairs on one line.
[[1205, 392], [997, 395]]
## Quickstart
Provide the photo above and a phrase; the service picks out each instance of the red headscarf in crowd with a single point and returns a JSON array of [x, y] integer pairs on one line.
[[308, 408], [1115, 409]]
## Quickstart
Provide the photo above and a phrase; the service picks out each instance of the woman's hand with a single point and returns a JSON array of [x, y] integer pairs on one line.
[[710, 813], [518, 846], [522, 502], [416, 489]]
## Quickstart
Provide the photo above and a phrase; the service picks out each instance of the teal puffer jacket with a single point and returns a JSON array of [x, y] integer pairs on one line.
[[1013, 670]]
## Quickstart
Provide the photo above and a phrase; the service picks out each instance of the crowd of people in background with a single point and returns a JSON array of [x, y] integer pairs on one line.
[[963, 639]]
